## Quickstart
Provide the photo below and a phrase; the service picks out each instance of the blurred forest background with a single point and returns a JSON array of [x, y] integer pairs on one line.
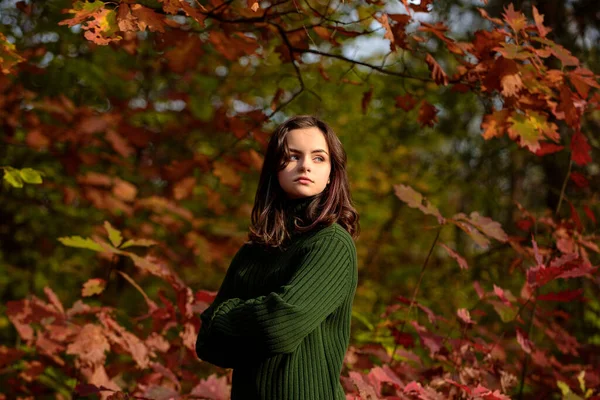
[[147, 120]]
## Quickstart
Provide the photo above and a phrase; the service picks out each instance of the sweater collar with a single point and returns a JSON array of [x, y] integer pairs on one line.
[[296, 208]]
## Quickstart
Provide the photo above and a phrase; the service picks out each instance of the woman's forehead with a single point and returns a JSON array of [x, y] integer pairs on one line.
[[306, 139]]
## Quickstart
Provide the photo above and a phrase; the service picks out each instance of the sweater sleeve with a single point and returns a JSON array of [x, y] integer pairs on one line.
[[278, 322], [210, 347]]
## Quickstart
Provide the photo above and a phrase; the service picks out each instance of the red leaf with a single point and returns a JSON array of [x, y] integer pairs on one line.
[[500, 293], [464, 316], [548, 148], [579, 179], [461, 261], [427, 114], [566, 295], [589, 213], [406, 102], [581, 149], [524, 341], [478, 289], [575, 217]]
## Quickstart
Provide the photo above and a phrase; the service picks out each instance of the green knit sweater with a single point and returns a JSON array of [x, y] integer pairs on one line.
[[281, 318]]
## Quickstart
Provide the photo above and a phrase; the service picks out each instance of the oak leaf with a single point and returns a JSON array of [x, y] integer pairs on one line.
[[437, 73]]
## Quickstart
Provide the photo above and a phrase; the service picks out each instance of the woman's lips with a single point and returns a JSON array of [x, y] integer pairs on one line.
[[304, 180]]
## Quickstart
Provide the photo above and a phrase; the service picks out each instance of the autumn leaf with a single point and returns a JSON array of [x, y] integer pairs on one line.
[[253, 5], [548, 148], [464, 316], [437, 73], [523, 128], [415, 199], [427, 114], [524, 341], [227, 174], [83, 10], [563, 296], [406, 102], [461, 261], [495, 124], [8, 55], [93, 286], [148, 18], [515, 19], [539, 22], [580, 149]]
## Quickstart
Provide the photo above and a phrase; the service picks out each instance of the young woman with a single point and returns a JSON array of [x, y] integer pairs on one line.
[[281, 318]]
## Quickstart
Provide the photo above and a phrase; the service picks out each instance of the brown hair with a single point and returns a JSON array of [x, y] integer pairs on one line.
[[332, 205]]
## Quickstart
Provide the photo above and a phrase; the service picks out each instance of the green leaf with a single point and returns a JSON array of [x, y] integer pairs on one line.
[[30, 175], [113, 234], [83, 243], [138, 242], [13, 177]]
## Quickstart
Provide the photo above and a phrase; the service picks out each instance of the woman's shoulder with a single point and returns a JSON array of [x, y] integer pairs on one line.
[[330, 236]]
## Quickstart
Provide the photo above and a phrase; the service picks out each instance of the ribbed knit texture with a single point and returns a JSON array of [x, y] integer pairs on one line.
[[281, 318]]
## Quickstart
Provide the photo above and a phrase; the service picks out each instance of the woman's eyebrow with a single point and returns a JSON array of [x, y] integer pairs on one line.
[[314, 151]]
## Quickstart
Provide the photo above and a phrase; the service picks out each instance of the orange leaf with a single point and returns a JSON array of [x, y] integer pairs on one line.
[[253, 4], [495, 124], [93, 286], [515, 19], [226, 174], [437, 73], [539, 23], [148, 18], [427, 114]]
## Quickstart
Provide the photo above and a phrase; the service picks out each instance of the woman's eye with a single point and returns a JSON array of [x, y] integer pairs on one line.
[[319, 159], [293, 158]]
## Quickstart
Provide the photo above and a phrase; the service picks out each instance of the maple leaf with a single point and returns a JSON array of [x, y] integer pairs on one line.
[[515, 19], [83, 10], [406, 102], [580, 149], [583, 79], [495, 124], [548, 148], [539, 23], [437, 73], [427, 114], [523, 128]]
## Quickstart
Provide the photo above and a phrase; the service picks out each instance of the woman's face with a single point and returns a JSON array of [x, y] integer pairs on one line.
[[309, 165]]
